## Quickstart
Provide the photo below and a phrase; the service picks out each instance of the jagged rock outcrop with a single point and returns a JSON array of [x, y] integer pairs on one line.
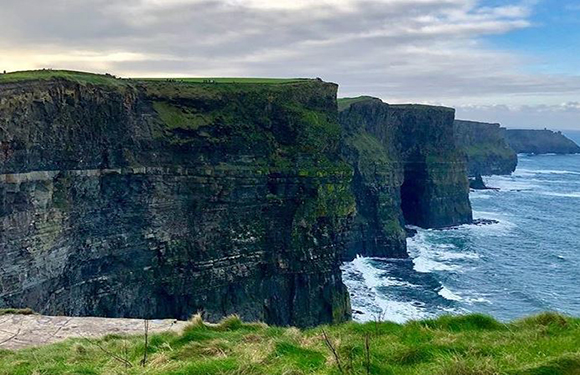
[[545, 141], [407, 171], [477, 183], [162, 199], [486, 148]]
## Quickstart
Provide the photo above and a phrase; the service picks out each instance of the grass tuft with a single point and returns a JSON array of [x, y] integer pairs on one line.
[[464, 323], [546, 319], [230, 323], [564, 365]]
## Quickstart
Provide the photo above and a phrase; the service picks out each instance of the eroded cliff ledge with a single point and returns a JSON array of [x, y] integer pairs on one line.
[[162, 199], [486, 148], [407, 171], [528, 141]]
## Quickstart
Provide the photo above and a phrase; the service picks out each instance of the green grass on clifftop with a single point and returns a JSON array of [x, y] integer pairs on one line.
[[106, 79], [42, 75], [344, 103], [548, 344], [228, 80]]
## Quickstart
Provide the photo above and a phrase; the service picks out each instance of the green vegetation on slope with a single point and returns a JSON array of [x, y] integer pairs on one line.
[[464, 345], [344, 103]]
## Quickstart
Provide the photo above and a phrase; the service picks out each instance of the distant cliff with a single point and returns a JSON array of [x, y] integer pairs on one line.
[[486, 148], [407, 171], [162, 199], [540, 142]]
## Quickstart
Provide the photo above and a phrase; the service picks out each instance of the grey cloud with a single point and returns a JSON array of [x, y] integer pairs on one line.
[[400, 50]]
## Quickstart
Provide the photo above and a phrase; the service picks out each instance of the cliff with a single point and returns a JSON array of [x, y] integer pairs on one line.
[[407, 170], [540, 142], [161, 199], [486, 148]]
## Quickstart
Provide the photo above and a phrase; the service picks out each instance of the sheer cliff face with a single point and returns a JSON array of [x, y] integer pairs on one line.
[[540, 142], [487, 150], [407, 171], [163, 199], [377, 230]]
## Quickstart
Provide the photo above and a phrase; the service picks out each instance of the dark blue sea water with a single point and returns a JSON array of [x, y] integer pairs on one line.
[[527, 263]]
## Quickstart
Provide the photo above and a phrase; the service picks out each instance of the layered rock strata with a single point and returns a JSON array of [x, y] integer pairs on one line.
[[407, 171], [162, 199]]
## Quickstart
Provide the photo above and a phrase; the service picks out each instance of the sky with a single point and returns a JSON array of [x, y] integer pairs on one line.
[[513, 61]]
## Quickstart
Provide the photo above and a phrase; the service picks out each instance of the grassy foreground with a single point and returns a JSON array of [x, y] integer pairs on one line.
[[547, 344]]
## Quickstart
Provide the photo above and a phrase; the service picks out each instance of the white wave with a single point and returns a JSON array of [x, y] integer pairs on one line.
[[449, 295], [479, 195], [375, 277], [565, 195], [456, 256], [428, 256], [425, 264], [466, 297], [362, 280], [502, 217], [402, 311], [501, 227], [527, 172], [510, 183], [475, 300], [452, 296]]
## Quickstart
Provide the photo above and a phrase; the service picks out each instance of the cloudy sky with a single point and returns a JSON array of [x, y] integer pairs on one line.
[[509, 61]]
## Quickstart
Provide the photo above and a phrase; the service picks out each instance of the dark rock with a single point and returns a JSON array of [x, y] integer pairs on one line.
[[477, 183], [411, 232], [474, 222], [540, 142], [485, 222], [486, 148]]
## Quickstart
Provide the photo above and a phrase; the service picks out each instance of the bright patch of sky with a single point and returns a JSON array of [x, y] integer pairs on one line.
[[552, 41]]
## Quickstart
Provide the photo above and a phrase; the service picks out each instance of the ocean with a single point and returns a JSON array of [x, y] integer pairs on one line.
[[527, 263]]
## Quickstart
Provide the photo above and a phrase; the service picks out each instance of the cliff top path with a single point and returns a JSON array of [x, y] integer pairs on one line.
[[22, 331]]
